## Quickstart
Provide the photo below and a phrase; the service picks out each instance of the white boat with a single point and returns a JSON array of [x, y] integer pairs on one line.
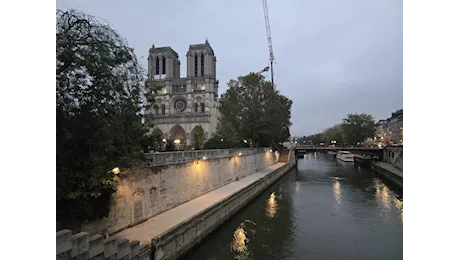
[[345, 156]]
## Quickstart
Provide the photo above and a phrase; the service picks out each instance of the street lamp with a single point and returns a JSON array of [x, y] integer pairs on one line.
[[177, 141]]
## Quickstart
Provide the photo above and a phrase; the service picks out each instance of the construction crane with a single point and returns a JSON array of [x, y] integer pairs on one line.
[[269, 38], [262, 71]]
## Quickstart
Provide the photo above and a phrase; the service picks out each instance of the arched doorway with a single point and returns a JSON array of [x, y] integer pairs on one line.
[[178, 136], [197, 138]]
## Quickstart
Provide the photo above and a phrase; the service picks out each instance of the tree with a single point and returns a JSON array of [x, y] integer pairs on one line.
[[99, 97], [170, 146], [251, 110], [358, 127], [198, 137], [334, 133]]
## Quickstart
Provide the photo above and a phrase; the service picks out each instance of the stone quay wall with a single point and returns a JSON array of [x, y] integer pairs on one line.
[[82, 246], [178, 241], [394, 156], [175, 178]]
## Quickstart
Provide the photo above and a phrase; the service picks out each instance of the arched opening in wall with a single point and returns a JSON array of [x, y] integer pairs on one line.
[[196, 65], [163, 109], [202, 107], [195, 107], [178, 136], [202, 64], [138, 207], [156, 109], [164, 66], [157, 66], [197, 138]]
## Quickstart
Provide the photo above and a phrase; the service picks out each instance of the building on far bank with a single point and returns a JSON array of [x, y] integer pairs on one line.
[[390, 130], [396, 127], [184, 104]]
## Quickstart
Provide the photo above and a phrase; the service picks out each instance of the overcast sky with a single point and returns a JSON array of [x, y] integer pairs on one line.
[[333, 57]]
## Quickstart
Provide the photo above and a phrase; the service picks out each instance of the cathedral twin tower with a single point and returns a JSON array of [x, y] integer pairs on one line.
[[185, 105]]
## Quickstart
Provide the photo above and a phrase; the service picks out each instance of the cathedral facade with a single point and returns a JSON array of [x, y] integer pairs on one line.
[[184, 105]]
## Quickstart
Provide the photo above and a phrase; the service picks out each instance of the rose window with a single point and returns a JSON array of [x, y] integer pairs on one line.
[[180, 105]]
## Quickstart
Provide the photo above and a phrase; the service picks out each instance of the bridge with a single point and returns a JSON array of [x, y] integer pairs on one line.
[[303, 149]]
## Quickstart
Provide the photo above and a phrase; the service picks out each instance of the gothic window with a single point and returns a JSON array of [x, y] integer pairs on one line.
[[156, 109], [196, 107], [202, 64], [163, 109], [164, 66], [157, 66], [196, 65], [202, 107]]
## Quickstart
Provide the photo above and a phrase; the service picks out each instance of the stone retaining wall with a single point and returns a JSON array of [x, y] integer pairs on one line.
[[178, 241], [82, 246]]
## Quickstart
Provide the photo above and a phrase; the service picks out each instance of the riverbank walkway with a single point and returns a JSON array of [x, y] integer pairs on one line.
[[390, 168], [162, 223]]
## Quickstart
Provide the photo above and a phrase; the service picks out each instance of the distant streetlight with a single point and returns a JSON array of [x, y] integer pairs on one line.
[[164, 140], [221, 139], [177, 141], [245, 141]]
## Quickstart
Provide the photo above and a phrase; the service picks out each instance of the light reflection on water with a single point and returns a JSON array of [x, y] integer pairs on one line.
[[337, 191], [272, 205]]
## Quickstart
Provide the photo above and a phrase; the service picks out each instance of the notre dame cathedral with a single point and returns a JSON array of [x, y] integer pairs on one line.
[[183, 104]]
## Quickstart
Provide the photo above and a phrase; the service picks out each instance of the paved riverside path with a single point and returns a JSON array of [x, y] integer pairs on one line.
[[160, 224], [390, 168]]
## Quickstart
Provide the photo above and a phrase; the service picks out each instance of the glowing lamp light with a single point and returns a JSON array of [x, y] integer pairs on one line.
[[116, 170], [204, 157], [177, 141], [271, 150], [245, 141], [164, 140], [239, 154]]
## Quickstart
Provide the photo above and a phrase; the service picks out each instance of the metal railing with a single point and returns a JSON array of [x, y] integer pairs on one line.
[[166, 158]]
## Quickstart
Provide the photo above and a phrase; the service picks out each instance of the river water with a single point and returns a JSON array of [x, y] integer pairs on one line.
[[322, 209]]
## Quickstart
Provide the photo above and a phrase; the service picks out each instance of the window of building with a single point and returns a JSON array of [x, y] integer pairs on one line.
[[196, 65], [202, 64], [202, 107], [156, 109], [164, 66], [196, 107], [157, 66], [163, 109]]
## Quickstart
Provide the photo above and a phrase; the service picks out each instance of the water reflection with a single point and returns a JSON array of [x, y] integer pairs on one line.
[[336, 189], [272, 206], [297, 187], [381, 194], [239, 243], [399, 205]]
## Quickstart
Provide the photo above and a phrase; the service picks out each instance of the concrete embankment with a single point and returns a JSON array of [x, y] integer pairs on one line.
[[389, 171], [174, 232]]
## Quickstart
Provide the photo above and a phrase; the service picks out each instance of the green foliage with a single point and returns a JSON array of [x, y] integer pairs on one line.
[[99, 94], [334, 133], [251, 110], [357, 127], [314, 139], [170, 146], [198, 137]]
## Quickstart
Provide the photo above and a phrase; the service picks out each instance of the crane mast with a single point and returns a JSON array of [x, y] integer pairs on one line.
[[269, 38]]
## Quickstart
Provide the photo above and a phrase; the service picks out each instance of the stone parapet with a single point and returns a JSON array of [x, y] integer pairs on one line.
[[167, 158], [82, 246]]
